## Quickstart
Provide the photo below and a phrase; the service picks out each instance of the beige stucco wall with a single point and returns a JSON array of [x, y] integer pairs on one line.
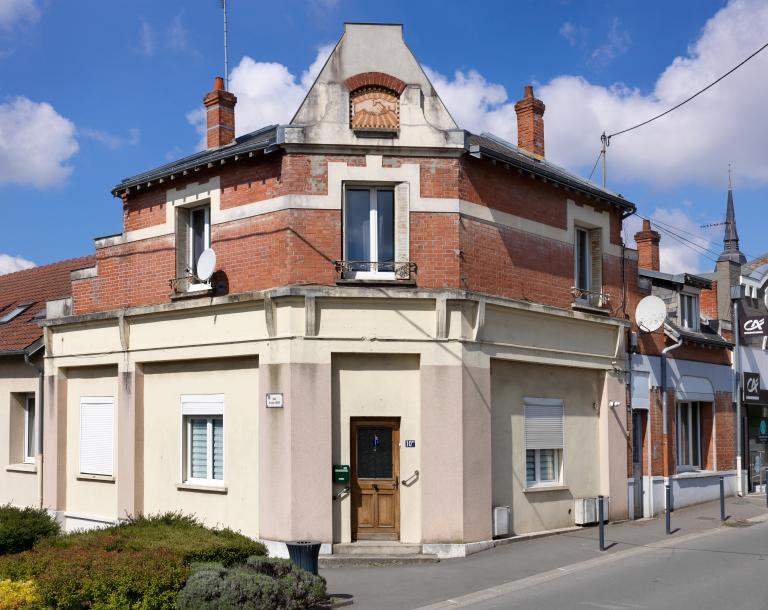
[[580, 391], [93, 498], [379, 386], [163, 385], [18, 482]]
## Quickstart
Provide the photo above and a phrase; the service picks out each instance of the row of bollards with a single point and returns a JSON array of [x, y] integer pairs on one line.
[[669, 508]]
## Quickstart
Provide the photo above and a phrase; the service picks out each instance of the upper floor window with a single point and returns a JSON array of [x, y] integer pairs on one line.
[[588, 266], [29, 429], [689, 311], [369, 232], [193, 237]]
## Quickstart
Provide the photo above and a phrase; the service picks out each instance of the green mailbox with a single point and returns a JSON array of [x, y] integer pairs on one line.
[[341, 474]]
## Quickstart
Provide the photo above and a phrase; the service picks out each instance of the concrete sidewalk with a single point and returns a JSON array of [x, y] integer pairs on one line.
[[415, 586]]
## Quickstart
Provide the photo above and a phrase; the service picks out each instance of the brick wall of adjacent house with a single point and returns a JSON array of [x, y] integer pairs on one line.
[[299, 245], [708, 302], [725, 424]]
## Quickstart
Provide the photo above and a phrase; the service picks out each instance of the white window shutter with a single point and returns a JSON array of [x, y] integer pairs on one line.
[[543, 423], [202, 404], [402, 225], [97, 434]]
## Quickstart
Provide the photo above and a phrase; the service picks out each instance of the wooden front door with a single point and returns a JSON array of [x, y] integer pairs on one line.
[[375, 455]]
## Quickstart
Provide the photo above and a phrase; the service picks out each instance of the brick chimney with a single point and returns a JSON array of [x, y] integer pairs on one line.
[[530, 123], [648, 247], [220, 107]]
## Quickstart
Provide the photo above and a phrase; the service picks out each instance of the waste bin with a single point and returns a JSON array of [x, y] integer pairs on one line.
[[304, 553]]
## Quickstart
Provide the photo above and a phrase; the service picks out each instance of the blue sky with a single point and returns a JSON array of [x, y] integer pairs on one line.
[[92, 92]]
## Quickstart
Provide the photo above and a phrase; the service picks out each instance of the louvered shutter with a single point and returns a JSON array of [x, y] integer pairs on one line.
[[596, 256], [182, 247], [96, 434], [543, 423], [402, 229]]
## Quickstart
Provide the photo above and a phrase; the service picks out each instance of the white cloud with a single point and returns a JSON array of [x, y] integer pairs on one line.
[[110, 140], [576, 35], [267, 93], [15, 13], [676, 253], [146, 39], [36, 143], [617, 44], [9, 263]]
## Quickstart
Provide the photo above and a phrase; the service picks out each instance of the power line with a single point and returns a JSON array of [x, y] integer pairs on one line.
[[594, 167], [685, 101], [697, 248]]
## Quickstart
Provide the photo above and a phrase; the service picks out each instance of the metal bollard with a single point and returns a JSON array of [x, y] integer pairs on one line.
[[669, 505], [722, 499], [600, 523]]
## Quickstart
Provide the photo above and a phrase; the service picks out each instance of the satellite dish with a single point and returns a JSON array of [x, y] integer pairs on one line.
[[650, 313], [206, 264]]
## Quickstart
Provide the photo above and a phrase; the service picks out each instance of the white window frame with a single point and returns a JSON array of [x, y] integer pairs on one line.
[[588, 253], [559, 451], [209, 407], [106, 402], [29, 452], [191, 262], [373, 223], [538, 481], [689, 316], [685, 409]]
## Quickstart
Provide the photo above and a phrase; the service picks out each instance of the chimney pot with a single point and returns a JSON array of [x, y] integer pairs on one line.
[[530, 123], [220, 110]]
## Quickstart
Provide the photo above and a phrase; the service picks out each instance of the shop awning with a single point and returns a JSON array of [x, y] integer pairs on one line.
[[695, 388]]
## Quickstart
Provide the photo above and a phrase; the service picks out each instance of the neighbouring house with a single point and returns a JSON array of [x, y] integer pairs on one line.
[[23, 297], [406, 325]]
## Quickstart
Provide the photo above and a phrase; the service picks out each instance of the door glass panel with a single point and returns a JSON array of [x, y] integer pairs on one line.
[[637, 438], [374, 453], [198, 236], [386, 228], [582, 260], [357, 228], [695, 457]]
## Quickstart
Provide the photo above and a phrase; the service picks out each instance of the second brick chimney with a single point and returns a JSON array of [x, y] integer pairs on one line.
[[220, 108], [648, 247], [530, 123]]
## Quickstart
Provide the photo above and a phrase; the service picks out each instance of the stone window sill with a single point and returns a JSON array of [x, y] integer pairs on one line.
[[213, 489], [99, 478], [587, 308], [28, 468], [191, 294], [543, 488]]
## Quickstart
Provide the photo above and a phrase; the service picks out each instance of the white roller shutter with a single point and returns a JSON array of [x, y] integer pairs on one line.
[[543, 423], [202, 404], [97, 414]]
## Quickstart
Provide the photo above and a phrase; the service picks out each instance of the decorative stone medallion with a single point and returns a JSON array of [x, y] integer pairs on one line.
[[374, 108]]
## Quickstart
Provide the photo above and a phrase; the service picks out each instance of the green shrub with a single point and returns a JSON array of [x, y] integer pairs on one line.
[[20, 528], [141, 564], [260, 584]]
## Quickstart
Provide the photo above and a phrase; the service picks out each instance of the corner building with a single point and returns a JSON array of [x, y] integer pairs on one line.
[[442, 312]]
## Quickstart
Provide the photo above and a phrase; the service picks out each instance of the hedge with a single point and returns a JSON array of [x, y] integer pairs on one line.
[[20, 528], [141, 564]]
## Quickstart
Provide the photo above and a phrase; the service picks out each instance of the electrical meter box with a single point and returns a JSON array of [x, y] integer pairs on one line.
[[341, 474]]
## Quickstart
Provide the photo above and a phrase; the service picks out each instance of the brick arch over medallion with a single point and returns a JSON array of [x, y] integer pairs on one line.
[[375, 79]]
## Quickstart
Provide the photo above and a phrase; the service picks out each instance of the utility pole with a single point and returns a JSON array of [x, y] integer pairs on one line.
[[737, 293], [223, 4], [606, 141]]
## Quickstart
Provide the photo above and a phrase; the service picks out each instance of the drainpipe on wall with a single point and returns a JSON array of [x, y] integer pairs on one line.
[[39, 410], [664, 401], [735, 296]]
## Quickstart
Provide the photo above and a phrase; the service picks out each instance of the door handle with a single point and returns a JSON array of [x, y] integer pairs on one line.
[[397, 482], [375, 487]]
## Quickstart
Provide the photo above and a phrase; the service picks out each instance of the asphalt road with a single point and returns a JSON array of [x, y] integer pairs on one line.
[[726, 569]]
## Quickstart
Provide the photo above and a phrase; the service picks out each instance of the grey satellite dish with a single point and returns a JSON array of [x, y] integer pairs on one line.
[[650, 313], [206, 264]]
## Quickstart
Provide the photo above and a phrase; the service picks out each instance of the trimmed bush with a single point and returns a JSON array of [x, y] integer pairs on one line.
[[18, 595], [141, 564], [261, 584], [21, 528]]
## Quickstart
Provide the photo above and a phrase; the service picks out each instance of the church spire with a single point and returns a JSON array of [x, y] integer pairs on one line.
[[731, 250]]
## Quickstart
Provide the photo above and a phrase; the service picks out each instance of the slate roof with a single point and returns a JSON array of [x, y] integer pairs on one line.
[[706, 335], [35, 286], [486, 144]]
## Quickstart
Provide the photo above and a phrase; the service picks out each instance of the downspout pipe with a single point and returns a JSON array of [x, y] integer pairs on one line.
[[737, 392], [39, 411], [665, 400]]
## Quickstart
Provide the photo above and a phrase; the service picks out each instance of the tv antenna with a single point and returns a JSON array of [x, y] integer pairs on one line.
[[223, 5]]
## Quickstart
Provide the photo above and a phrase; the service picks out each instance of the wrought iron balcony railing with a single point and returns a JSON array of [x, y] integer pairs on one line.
[[397, 270], [592, 298]]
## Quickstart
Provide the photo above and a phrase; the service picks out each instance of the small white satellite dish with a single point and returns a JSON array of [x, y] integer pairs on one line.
[[650, 313], [206, 264]]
